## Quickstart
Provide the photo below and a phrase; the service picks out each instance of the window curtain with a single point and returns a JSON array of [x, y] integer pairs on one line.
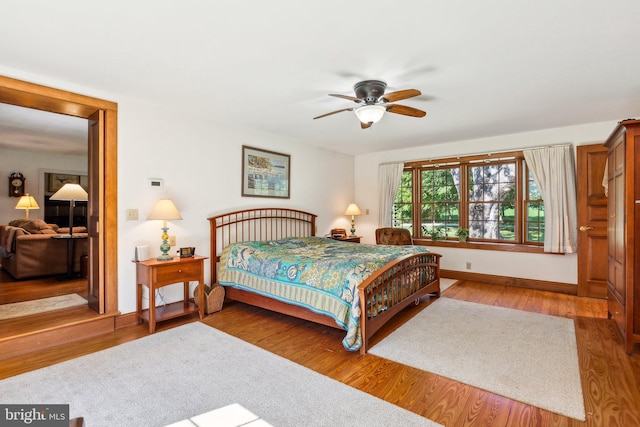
[[389, 179], [553, 170]]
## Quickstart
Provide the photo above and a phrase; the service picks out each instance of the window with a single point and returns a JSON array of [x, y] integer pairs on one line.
[[440, 201], [403, 206], [535, 212], [485, 194], [492, 201]]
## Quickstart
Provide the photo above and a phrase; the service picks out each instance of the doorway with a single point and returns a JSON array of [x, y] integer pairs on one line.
[[102, 221]]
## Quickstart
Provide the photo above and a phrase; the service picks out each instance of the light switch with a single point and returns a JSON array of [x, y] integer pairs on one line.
[[132, 214]]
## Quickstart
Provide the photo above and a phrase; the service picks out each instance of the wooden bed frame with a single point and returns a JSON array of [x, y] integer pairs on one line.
[[383, 294]]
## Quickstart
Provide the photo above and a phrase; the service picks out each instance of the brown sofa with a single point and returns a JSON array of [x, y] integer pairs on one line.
[[28, 249]]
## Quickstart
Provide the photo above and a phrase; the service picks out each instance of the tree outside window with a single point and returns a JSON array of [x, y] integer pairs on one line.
[[403, 206]]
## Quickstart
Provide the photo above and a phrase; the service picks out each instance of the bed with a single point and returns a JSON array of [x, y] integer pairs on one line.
[[359, 299]]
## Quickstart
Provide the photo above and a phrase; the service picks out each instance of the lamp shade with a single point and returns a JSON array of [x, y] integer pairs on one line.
[[27, 202], [370, 113], [70, 192], [164, 209], [352, 209]]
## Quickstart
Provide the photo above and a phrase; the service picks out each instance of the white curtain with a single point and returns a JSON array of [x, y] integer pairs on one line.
[[389, 178], [553, 170]]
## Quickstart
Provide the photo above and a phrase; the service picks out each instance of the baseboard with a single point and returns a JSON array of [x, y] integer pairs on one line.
[[541, 285], [126, 320]]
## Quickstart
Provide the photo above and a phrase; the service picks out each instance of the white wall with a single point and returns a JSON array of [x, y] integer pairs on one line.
[[200, 163], [558, 268], [33, 165]]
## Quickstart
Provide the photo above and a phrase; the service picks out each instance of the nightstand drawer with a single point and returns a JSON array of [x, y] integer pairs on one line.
[[177, 273]]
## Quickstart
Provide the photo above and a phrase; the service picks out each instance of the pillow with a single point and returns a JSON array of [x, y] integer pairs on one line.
[[33, 226], [76, 229]]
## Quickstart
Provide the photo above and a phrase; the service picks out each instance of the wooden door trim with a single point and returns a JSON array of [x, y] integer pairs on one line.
[[30, 95]]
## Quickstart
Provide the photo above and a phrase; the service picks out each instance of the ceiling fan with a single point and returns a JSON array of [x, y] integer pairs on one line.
[[373, 102]]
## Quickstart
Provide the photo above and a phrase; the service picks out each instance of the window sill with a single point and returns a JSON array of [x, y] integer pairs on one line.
[[486, 246]]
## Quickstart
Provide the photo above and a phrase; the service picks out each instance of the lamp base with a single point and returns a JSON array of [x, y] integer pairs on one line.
[[164, 247]]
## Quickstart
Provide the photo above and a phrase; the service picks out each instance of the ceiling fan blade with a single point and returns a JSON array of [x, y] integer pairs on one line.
[[404, 110], [333, 112], [365, 125], [400, 95], [347, 97]]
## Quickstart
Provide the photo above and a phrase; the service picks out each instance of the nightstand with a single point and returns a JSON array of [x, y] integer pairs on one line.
[[354, 239], [156, 274]]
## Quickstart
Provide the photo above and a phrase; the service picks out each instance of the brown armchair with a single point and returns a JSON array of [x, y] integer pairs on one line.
[[393, 236]]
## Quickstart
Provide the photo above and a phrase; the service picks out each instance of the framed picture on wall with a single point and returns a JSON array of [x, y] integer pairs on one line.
[[265, 173], [57, 180]]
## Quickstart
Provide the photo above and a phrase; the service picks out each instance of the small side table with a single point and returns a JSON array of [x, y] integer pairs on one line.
[[71, 248], [156, 274], [353, 239]]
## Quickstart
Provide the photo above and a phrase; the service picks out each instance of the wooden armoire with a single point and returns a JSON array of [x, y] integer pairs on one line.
[[623, 231]]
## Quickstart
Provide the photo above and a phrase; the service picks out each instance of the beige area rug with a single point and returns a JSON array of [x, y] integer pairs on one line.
[[529, 357], [26, 308], [192, 369]]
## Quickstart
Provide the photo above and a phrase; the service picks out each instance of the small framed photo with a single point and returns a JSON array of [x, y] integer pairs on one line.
[[265, 173]]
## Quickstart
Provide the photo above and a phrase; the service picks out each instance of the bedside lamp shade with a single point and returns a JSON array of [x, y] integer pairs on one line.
[[27, 202], [72, 193], [164, 210], [353, 210]]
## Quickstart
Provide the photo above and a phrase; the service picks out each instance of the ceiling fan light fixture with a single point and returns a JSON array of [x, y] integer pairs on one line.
[[370, 113]]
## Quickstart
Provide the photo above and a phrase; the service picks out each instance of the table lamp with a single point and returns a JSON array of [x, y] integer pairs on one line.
[[27, 202], [72, 193], [353, 210], [164, 210]]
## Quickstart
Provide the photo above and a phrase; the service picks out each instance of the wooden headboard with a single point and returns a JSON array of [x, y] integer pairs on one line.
[[256, 224]]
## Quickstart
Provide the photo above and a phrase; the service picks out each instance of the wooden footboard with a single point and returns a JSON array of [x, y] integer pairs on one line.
[[389, 290], [394, 287]]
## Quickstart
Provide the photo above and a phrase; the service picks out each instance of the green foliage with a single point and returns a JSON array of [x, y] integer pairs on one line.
[[438, 234], [462, 232]]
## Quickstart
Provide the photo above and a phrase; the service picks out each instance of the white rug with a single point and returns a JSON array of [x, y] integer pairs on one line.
[[524, 356], [193, 369], [26, 308]]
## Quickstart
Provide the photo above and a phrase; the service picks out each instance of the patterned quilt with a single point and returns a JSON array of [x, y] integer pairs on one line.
[[317, 273]]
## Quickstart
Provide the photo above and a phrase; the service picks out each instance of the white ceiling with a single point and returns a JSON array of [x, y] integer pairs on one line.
[[484, 68]]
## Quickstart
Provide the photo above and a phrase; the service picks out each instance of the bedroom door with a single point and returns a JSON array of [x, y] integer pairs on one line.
[[592, 221]]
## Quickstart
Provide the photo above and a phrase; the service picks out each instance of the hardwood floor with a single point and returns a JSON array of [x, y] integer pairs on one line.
[[12, 291], [610, 377]]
